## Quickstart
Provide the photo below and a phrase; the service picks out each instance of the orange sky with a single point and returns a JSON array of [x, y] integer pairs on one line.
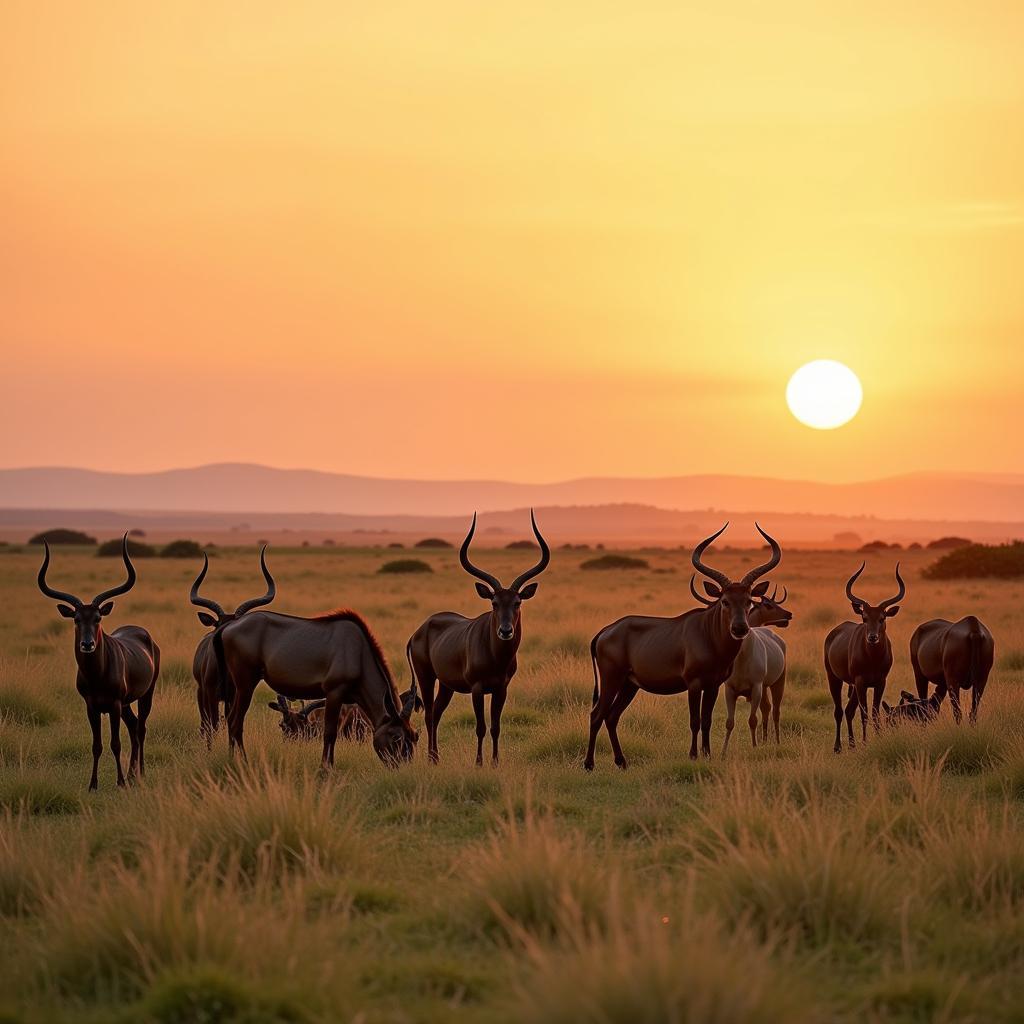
[[526, 241]]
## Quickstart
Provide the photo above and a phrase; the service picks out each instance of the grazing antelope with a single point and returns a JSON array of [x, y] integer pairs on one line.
[[954, 656], [912, 709], [760, 666], [693, 652], [211, 688], [115, 669], [475, 656], [859, 654], [307, 720], [334, 656]]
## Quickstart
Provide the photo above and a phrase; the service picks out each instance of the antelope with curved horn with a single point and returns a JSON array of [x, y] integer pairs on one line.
[[954, 656], [759, 671], [692, 653], [859, 654], [475, 656], [211, 688], [334, 656], [115, 670]]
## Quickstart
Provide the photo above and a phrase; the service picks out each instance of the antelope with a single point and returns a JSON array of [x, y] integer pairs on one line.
[[211, 689], [692, 653], [334, 656], [760, 666], [115, 669], [954, 656], [474, 656], [912, 709], [859, 654], [307, 720]]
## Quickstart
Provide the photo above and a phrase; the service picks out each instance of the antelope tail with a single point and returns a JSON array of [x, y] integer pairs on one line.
[[597, 678], [226, 687]]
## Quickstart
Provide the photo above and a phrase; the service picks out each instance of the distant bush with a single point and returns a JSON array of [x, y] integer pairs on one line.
[[848, 537], [615, 562], [949, 543], [979, 561], [878, 545], [136, 548], [404, 565], [520, 545], [432, 542], [136, 533], [396, 544], [62, 536], [327, 542], [916, 546], [181, 549]]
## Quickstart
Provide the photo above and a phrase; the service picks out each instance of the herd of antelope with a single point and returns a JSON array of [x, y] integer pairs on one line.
[[334, 662]]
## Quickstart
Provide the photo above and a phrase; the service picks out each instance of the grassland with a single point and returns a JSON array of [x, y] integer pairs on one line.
[[788, 883]]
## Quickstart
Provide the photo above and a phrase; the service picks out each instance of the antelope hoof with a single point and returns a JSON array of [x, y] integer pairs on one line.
[[588, 766], [621, 765]]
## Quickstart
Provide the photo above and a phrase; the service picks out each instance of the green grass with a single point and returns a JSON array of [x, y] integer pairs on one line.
[[885, 884]]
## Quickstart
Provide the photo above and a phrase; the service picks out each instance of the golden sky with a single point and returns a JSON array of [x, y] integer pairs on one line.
[[531, 240]]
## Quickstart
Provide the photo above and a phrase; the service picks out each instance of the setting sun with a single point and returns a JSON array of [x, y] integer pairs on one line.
[[824, 394]]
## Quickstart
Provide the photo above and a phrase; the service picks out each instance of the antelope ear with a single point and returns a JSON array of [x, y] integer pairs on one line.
[[528, 591], [206, 619], [66, 610], [485, 591], [760, 590], [890, 612], [107, 608], [712, 589], [858, 607]]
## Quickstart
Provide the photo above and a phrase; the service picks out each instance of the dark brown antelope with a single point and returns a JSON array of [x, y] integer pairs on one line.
[[334, 656], [954, 656], [209, 683], [306, 721], [859, 654], [474, 656], [759, 671], [115, 669], [692, 653], [912, 709]]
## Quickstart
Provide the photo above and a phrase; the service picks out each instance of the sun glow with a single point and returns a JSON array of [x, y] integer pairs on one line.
[[824, 394]]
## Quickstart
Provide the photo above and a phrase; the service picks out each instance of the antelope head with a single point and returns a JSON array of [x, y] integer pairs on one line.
[[736, 598], [506, 601], [874, 615], [221, 617], [768, 611], [87, 615]]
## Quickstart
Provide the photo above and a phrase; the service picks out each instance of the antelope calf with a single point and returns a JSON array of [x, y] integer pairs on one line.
[[692, 653], [911, 709], [954, 656], [115, 670], [212, 687], [306, 721], [473, 656], [859, 654], [759, 668]]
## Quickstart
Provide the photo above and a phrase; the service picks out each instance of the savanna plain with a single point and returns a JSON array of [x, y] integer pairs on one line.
[[786, 883]]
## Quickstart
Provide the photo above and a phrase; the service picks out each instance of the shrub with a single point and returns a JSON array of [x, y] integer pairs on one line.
[[876, 545], [62, 536], [520, 545], [614, 562], [948, 544], [432, 542], [136, 533], [181, 549], [136, 548], [979, 561], [396, 544], [848, 538], [405, 565]]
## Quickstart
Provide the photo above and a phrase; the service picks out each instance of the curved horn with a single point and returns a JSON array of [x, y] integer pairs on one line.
[[193, 594], [785, 594], [545, 558], [761, 570], [693, 590], [486, 577], [849, 585], [718, 577], [257, 602], [128, 583], [57, 595], [902, 594]]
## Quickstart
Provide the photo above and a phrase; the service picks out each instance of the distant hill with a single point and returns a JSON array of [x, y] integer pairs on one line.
[[243, 489]]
